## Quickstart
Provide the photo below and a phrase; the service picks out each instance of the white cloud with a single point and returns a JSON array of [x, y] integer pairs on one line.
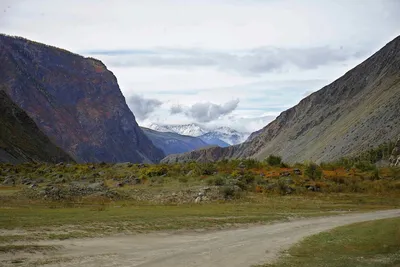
[[142, 107]]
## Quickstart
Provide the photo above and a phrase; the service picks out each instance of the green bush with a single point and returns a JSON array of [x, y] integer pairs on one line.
[[217, 181], [365, 166], [274, 160], [313, 171]]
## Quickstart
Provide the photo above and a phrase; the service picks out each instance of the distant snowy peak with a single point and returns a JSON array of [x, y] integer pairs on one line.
[[225, 134], [184, 129]]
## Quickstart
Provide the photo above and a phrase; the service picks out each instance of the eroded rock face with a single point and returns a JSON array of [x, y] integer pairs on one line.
[[395, 157], [75, 101]]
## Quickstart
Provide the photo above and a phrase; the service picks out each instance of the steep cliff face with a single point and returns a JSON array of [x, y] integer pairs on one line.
[[395, 157], [20, 138], [75, 101], [358, 111], [173, 143]]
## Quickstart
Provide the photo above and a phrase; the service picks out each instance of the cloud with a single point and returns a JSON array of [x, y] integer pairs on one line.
[[249, 62], [207, 112], [176, 109], [143, 107]]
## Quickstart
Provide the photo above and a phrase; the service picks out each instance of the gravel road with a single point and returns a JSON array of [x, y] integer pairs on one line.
[[234, 248]]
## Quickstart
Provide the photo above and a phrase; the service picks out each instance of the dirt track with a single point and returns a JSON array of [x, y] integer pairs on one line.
[[243, 247]]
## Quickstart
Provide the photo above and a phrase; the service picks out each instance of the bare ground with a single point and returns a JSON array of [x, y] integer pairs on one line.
[[241, 247]]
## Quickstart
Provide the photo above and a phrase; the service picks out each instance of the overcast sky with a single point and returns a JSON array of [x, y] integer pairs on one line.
[[216, 62]]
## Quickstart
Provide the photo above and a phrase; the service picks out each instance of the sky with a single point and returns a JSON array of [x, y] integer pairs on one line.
[[214, 62]]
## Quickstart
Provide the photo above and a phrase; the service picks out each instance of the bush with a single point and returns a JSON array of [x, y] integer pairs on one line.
[[217, 181], [365, 166], [313, 171], [274, 160]]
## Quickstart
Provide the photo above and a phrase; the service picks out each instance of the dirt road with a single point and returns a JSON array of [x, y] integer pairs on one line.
[[243, 247]]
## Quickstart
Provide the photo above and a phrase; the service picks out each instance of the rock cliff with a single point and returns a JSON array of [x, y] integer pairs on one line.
[[75, 101]]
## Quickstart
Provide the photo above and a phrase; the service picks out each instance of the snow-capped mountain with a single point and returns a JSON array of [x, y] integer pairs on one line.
[[191, 129], [227, 135], [221, 136]]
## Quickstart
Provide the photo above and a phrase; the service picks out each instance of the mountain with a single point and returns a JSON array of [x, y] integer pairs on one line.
[[173, 143], [191, 129], [226, 134], [212, 139], [357, 112], [75, 101], [20, 138], [221, 136]]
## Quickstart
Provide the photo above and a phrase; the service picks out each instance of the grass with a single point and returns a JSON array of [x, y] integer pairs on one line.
[[25, 248], [40, 220], [367, 244]]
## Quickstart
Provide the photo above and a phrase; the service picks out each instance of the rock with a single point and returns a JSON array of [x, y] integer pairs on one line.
[[242, 165], [96, 186], [284, 174], [60, 164], [297, 172], [120, 184], [198, 199]]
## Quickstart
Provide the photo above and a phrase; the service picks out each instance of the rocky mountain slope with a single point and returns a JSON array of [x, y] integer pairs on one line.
[[395, 157], [358, 111], [20, 138], [75, 101], [173, 143]]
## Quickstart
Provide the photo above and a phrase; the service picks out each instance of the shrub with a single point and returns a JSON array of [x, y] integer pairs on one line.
[[365, 166], [313, 171], [274, 160], [229, 192], [217, 181]]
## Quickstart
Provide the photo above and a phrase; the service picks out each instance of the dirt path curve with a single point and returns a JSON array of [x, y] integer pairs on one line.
[[243, 247]]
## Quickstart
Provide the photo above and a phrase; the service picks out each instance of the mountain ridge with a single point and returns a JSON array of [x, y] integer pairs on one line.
[[357, 111], [173, 143], [222, 136]]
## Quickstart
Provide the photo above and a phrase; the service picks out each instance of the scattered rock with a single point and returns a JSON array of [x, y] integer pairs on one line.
[[96, 186], [284, 174], [119, 184], [297, 172]]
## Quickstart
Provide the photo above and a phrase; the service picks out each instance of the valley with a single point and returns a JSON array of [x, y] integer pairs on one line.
[[81, 183]]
